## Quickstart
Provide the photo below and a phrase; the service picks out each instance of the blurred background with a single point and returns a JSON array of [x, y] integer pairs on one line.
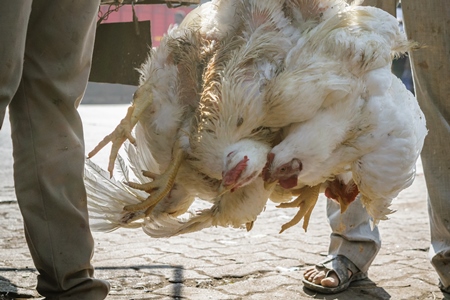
[[156, 19], [128, 29]]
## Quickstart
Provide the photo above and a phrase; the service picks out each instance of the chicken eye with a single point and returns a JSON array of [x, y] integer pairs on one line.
[[283, 169]]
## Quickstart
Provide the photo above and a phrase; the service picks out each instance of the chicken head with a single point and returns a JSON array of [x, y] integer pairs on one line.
[[285, 174], [243, 162]]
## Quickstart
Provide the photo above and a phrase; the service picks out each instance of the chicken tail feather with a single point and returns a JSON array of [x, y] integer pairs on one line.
[[164, 225], [107, 196]]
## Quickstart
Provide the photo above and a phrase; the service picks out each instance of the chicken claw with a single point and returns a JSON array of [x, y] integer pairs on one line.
[[159, 187], [249, 225], [306, 201], [142, 98], [129, 217], [117, 137]]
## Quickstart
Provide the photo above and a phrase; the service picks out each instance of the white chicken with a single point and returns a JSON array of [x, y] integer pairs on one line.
[[360, 118], [168, 98], [233, 81], [306, 84]]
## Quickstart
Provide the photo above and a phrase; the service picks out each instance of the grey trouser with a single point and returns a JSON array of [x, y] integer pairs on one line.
[[352, 235], [46, 50], [427, 22]]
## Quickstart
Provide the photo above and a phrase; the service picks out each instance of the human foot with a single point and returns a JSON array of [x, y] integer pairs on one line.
[[332, 276], [320, 277]]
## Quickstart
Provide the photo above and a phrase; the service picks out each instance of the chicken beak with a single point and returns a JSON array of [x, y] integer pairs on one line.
[[268, 186], [223, 189]]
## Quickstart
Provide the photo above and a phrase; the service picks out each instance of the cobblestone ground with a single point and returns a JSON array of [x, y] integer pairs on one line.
[[223, 263]]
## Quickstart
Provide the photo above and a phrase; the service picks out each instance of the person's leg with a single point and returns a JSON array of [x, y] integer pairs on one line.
[[13, 30], [431, 71], [48, 148], [351, 237]]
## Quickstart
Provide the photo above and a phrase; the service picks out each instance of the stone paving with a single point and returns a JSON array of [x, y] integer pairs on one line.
[[223, 263]]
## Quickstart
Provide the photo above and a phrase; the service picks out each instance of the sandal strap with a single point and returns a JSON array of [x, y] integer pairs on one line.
[[339, 265], [444, 289]]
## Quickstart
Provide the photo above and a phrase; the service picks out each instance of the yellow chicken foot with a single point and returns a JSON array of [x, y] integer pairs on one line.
[[130, 216], [306, 201], [160, 186], [148, 187], [117, 138], [307, 217], [142, 99]]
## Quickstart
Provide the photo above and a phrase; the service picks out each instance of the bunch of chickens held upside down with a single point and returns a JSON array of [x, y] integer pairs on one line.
[[252, 100]]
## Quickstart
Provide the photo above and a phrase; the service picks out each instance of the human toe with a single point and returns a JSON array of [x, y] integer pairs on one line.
[[330, 281], [315, 276], [309, 272]]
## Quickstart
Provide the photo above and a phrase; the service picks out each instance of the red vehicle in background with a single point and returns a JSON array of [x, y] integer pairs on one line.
[[121, 46], [160, 16]]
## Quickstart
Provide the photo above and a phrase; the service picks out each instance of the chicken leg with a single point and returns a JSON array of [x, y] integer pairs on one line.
[[306, 201], [160, 186], [142, 99]]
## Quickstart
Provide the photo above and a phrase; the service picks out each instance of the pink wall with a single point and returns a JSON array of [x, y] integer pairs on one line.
[[160, 16]]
